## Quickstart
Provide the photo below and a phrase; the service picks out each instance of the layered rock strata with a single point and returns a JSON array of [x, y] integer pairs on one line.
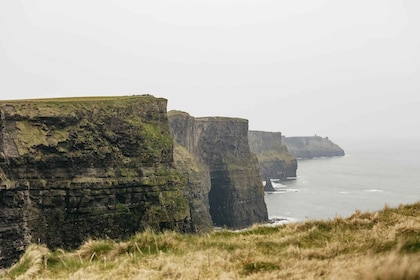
[[275, 160], [312, 146], [76, 168], [236, 196], [197, 188]]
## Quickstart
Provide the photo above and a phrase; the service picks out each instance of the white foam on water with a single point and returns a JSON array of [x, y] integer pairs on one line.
[[292, 190], [282, 190], [279, 220], [373, 190], [278, 185]]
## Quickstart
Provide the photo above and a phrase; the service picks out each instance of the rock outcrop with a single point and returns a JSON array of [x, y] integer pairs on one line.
[[312, 146], [76, 168], [268, 187], [236, 196], [273, 156]]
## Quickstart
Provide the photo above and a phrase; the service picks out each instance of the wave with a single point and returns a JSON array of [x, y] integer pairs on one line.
[[278, 184], [279, 220], [373, 190], [283, 190], [279, 187], [291, 190]]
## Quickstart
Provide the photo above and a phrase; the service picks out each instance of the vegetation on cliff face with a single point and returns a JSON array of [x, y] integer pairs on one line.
[[73, 168], [197, 187], [89, 124], [377, 245]]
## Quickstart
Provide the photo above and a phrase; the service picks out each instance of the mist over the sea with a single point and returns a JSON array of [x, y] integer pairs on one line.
[[370, 176]]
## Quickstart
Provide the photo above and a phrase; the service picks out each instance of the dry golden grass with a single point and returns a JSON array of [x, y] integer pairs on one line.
[[382, 245]]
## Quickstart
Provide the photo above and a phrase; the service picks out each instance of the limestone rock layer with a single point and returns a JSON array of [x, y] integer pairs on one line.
[[236, 196], [275, 160], [71, 169]]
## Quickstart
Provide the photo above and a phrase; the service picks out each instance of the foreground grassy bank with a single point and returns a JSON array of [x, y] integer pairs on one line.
[[379, 245]]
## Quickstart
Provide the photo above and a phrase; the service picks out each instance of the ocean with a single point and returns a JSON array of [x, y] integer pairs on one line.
[[370, 176]]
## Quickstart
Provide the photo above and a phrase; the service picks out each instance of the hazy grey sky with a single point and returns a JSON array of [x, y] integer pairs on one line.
[[329, 67]]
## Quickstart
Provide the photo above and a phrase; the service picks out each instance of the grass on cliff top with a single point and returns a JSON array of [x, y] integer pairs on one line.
[[275, 155], [67, 106], [378, 245], [173, 113], [76, 99]]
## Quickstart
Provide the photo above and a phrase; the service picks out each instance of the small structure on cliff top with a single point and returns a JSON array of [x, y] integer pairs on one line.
[[312, 146]]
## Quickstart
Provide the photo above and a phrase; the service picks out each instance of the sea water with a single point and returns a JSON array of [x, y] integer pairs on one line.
[[369, 177]]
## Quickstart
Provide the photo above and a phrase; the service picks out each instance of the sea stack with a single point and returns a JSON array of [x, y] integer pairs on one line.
[[268, 187]]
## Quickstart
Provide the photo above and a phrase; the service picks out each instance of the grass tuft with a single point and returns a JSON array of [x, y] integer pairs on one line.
[[95, 248], [32, 263], [255, 267]]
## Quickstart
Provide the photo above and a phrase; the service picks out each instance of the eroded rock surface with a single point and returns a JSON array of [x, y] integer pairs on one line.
[[236, 196], [76, 168], [273, 156]]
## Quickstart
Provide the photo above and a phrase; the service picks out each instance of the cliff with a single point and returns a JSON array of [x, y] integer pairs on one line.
[[312, 146], [236, 195], [76, 168], [273, 156], [197, 188]]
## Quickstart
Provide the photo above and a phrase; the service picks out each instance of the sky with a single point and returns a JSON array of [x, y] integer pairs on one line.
[[342, 69]]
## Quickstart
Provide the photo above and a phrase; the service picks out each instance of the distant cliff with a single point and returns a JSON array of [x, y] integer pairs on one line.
[[76, 168], [236, 195], [312, 146], [273, 156]]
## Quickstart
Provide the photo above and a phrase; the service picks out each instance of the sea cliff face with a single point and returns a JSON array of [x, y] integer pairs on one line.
[[197, 188], [197, 174], [236, 196], [86, 167], [312, 146], [273, 156]]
